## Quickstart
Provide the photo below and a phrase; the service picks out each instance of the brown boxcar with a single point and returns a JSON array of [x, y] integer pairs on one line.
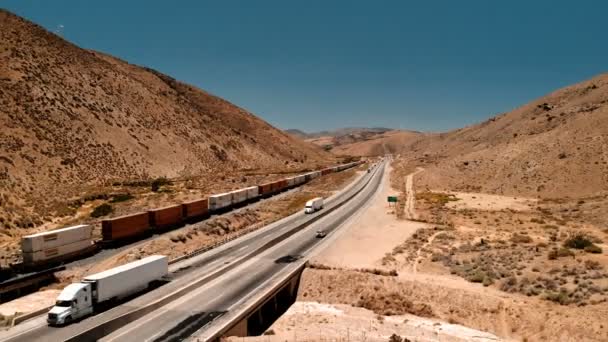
[[282, 184], [266, 189], [326, 171], [195, 209], [124, 227], [166, 217]]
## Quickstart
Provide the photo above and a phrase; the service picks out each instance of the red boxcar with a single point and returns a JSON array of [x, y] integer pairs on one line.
[[266, 189], [282, 184], [195, 209], [166, 217], [124, 227]]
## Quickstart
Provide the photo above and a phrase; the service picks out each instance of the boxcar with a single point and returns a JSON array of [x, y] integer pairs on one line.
[[162, 218], [195, 209], [125, 227]]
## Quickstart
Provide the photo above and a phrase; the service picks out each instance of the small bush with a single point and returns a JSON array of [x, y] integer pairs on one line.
[[521, 238], [558, 297], [560, 253], [395, 338], [102, 210], [121, 198], [158, 182], [578, 241], [593, 248]]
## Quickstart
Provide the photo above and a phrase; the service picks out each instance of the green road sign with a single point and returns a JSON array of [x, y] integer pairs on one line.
[[392, 199]]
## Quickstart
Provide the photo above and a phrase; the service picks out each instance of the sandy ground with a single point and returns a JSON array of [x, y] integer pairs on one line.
[[345, 275], [479, 201], [363, 245], [375, 230], [311, 321], [29, 303]]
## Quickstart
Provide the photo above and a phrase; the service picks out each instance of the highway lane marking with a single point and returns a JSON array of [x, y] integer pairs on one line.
[[174, 304]]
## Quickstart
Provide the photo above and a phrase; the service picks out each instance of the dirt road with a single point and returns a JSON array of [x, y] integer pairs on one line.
[[410, 201]]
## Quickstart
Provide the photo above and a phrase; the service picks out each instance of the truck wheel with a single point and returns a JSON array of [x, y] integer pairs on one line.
[[68, 320]]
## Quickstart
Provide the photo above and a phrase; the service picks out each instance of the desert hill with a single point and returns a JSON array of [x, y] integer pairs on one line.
[[73, 118], [555, 146], [358, 141]]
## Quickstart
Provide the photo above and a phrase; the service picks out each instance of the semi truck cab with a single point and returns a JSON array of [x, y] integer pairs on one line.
[[74, 302]]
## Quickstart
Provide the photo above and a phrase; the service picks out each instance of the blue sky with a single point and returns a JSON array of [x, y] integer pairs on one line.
[[314, 65]]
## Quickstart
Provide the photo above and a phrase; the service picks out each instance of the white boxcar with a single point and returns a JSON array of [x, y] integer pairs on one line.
[[252, 192], [220, 201], [291, 181], [56, 238], [30, 258], [124, 280], [300, 179], [239, 196]]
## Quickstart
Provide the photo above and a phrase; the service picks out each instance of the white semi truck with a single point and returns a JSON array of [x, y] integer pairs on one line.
[[313, 205], [78, 300]]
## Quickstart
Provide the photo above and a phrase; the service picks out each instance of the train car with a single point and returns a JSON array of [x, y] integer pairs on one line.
[[56, 245], [252, 192], [265, 189], [56, 238], [239, 196], [291, 182], [167, 217], [299, 180], [125, 227], [195, 209], [281, 185], [57, 254], [326, 171], [220, 201]]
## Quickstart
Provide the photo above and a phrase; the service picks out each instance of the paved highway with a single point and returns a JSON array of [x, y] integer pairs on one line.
[[224, 277], [197, 311]]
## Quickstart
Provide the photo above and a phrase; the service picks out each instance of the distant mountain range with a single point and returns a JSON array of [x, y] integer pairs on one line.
[[336, 133]]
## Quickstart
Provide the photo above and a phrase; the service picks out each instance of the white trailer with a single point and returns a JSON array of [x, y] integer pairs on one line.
[[313, 205], [220, 201], [78, 300], [57, 253], [252, 192], [55, 238], [239, 196]]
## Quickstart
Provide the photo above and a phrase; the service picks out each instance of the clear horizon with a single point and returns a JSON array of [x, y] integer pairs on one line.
[[430, 66]]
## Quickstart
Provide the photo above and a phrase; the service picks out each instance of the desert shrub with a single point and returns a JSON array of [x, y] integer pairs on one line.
[[579, 241], [521, 238], [158, 182], [102, 210], [477, 277], [593, 248], [397, 338], [592, 265], [121, 198], [560, 297], [269, 332], [559, 253]]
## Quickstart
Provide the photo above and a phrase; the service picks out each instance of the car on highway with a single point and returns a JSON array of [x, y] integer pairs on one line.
[[321, 233]]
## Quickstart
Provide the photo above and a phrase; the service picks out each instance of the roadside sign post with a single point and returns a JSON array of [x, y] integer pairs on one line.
[[391, 199]]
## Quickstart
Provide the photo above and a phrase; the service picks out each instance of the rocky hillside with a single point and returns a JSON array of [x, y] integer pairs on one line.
[[73, 119], [555, 146]]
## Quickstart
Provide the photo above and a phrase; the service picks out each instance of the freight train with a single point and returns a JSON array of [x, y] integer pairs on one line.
[[53, 247]]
